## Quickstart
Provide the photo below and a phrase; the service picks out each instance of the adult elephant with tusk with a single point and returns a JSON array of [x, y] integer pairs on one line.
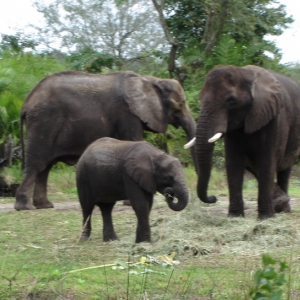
[[258, 113], [67, 111]]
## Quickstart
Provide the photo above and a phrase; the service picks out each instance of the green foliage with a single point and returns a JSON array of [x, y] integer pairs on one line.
[[270, 280], [16, 43], [19, 72], [229, 52], [293, 71], [210, 33], [13, 174], [194, 23], [91, 61]]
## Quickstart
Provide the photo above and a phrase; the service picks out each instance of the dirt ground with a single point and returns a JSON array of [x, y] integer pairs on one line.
[[220, 210]]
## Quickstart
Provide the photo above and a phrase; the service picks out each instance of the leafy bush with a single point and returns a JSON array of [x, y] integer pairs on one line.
[[270, 280], [19, 72]]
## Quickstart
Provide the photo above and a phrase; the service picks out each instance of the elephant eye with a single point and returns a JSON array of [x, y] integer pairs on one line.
[[231, 102], [169, 179]]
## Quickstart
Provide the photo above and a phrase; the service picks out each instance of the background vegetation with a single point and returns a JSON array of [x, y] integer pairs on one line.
[[181, 39]]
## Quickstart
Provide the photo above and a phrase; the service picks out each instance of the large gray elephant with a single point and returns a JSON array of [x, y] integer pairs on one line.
[[258, 113], [67, 111], [110, 170]]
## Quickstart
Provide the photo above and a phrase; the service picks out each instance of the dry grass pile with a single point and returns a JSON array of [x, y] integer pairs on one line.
[[203, 229]]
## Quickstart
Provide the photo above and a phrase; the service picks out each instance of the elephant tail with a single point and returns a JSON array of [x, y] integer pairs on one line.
[[22, 121]]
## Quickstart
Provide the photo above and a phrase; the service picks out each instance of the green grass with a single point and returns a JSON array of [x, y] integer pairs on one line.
[[36, 261], [218, 256]]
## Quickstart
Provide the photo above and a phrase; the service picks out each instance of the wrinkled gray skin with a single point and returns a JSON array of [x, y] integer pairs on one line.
[[110, 170], [67, 111], [258, 113]]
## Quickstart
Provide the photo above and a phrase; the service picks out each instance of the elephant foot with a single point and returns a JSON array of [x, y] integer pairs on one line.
[[43, 204], [147, 240], [281, 205], [126, 202], [110, 237], [235, 215], [23, 206], [84, 238], [281, 201], [209, 199], [262, 217]]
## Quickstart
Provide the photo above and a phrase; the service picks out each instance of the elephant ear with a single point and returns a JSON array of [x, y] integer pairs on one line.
[[143, 98], [267, 99], [140, 167]]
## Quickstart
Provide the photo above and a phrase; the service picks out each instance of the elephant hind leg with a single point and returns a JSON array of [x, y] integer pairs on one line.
[[24, 192], [40, 199], [108, 227], [280, 200], [86, 224]]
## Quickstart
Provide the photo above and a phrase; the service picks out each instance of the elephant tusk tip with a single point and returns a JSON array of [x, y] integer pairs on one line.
[[215, 137], [190, 144]]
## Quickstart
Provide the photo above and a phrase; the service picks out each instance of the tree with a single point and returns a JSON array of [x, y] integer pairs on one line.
[[127, 30], [199, 27], [16, 43]]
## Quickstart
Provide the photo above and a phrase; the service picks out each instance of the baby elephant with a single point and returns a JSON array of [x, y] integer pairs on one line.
[[110, 170]]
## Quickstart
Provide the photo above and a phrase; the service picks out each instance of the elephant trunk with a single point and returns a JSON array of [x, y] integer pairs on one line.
[[182, 198], [189, 126], [204, 156]]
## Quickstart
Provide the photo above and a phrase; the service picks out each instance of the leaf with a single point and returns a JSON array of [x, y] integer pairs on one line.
[[280, 280], [268, 260], [121, 263], [283, 266], [270, 273], [277, 295]]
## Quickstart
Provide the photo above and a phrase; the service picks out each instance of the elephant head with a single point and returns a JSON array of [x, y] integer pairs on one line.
[[233, 98], [154, 171], [159, 102]]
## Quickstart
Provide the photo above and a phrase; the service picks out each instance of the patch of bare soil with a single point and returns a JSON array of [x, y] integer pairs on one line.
[[218, 210]]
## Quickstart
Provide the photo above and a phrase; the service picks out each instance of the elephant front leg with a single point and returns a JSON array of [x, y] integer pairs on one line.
[[265, 177], [235, 161], [40, 199], [108, 227], [265, 196], [141, 202], [142, 211]]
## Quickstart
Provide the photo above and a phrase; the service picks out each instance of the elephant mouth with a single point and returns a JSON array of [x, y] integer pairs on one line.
[[169, 195], [177, 202]]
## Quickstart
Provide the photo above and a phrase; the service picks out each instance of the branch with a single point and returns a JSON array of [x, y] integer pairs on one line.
[[172, 41], [216, 34], [209, 25], [162, 20]]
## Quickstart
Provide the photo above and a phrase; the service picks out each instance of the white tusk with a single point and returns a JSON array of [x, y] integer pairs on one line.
[[190, 144], [215, 137]]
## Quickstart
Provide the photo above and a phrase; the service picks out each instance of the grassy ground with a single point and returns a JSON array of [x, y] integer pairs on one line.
[[41, 256]]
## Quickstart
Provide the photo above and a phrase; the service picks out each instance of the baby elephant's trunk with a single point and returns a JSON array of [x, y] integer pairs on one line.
[[182, 197]]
